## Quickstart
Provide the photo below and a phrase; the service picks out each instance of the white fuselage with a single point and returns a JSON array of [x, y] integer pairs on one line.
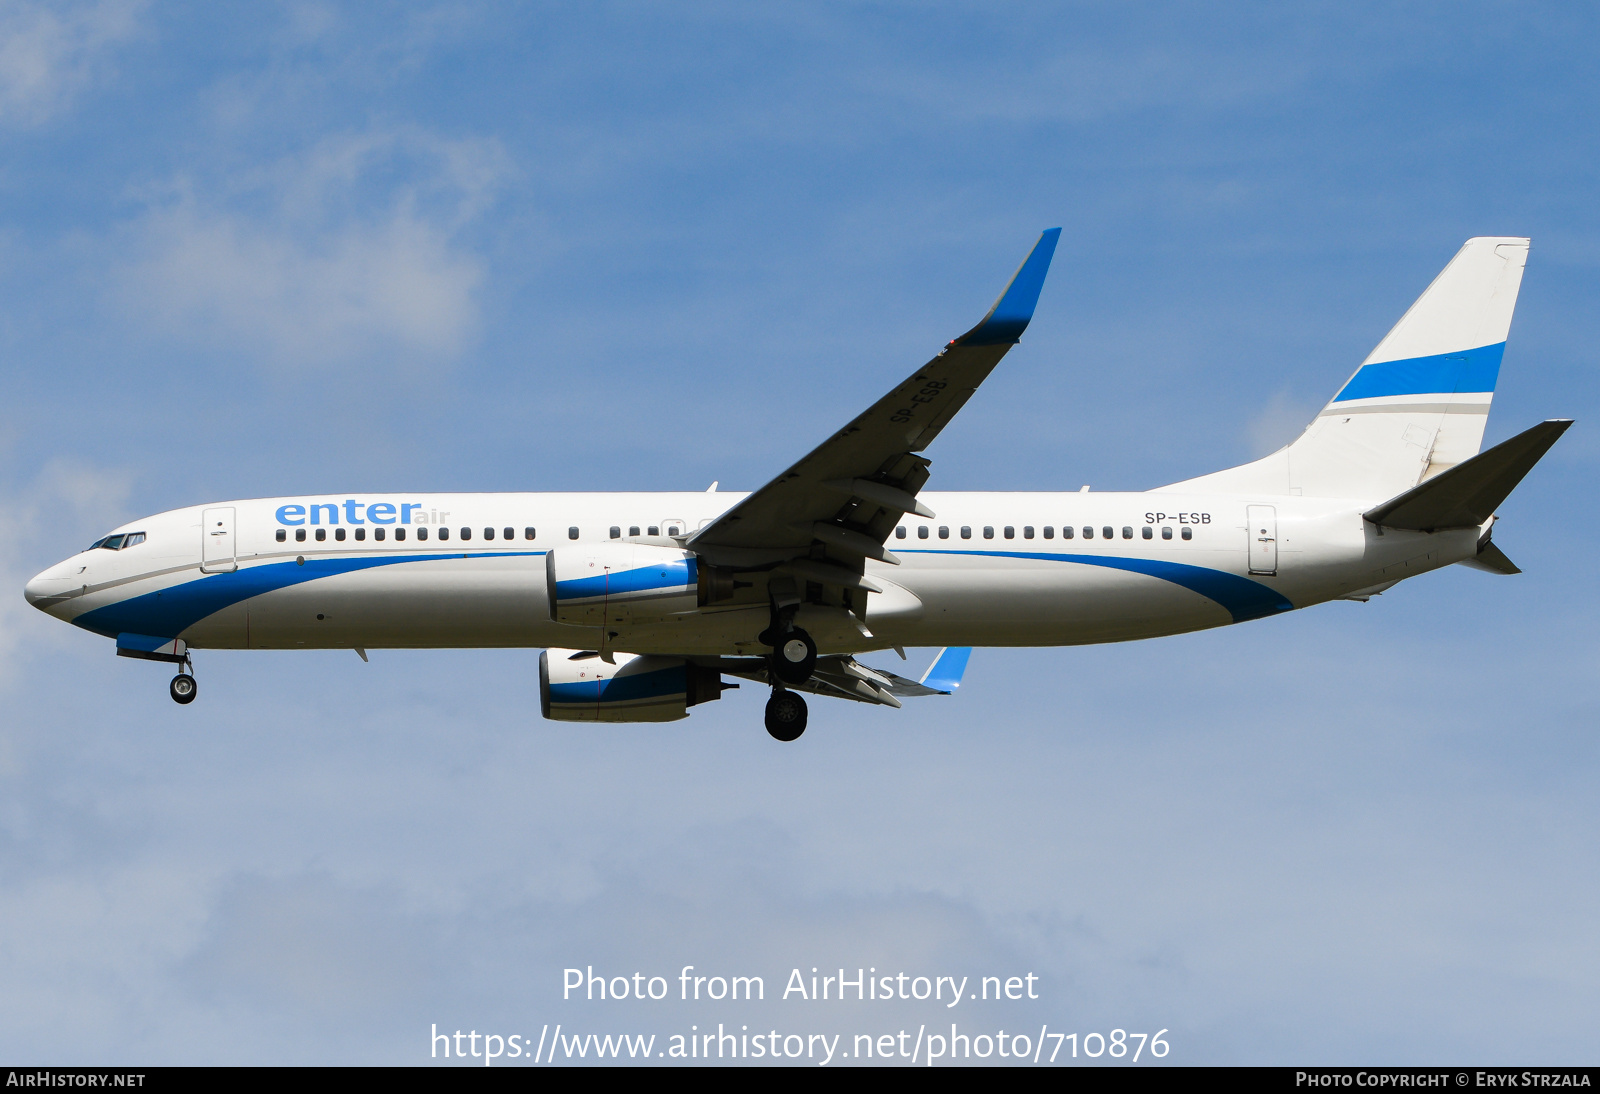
[[1013, 586]]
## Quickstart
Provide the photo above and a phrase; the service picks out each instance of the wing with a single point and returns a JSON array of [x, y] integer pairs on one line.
[[853, 487]]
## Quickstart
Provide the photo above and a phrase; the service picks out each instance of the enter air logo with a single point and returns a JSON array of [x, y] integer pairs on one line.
[[351, 511]]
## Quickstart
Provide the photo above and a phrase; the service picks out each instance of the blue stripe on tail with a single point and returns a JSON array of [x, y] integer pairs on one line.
[[1444, 374]]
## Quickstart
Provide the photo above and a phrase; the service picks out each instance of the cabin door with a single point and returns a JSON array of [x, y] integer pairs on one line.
[[1263, 531], [217, 554]]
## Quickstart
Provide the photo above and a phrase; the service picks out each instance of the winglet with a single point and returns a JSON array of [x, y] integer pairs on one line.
[[1011, 313], [944, 675]]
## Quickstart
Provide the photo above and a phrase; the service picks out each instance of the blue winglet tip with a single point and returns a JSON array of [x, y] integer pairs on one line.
[[944, 675], [1012, 312]]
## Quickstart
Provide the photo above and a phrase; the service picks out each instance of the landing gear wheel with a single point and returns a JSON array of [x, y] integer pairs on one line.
[[795, 657], [183, 688], [786, 715]]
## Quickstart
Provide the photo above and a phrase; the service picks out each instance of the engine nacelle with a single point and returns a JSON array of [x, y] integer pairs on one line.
[[620, 582], [578, 686]]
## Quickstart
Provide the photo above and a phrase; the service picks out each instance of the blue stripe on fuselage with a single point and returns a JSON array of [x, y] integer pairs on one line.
[[170, 611], [1443, 374], [1239, 596]]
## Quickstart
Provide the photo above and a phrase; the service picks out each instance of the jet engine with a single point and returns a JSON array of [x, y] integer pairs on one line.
[[579, 686], [620, 582]]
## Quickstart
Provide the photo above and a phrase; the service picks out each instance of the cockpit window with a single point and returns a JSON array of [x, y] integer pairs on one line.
[[118, 541]]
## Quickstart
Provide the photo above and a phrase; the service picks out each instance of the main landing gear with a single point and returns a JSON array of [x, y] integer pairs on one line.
[[786, 715], [794, 656]]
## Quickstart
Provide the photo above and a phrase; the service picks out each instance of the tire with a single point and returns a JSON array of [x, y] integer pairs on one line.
[[795, 657], [183, 688], [786, 715]]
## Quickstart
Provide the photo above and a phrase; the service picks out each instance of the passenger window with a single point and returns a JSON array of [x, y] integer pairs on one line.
[[338, 534], [1088, 532], [944, 531], [422, 533], [966, 531], [616, 532], [633, 530], [299, 535], [399, 533], [133, 540], [378, 534], [655, 530], [1027, 531], [988, 531], [322, 534], [922, 531], [1011, 533], [361, 534], [1106, 532], [466, 533], [1049, 531], [1147, 532], [510, 533], [444, 533], [1166, 532], [527, 533], [282, 535], [673, 530], [1127, 532], [572, 533], [1188, 533], [488, 533], [1066, 531]]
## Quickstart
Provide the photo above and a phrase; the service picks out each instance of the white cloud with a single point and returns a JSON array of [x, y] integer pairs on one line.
[[1280, 422], [322, 258], [48, 52]]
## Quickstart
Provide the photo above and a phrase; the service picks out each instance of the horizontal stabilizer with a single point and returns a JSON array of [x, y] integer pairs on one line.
[[1493, 560], [1467, 494]]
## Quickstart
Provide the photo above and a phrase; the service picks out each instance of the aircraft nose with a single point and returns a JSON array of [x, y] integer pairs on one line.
[[44, 590]]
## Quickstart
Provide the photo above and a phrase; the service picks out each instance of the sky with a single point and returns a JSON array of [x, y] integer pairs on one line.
[[286, 249]]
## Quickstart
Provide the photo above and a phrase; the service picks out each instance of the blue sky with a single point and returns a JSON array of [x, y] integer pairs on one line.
[[282, 249]]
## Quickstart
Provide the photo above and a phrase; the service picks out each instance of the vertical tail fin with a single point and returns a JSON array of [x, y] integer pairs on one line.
[[1419, 402]]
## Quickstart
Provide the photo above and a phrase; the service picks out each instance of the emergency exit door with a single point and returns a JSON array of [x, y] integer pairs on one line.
[[1263, 529], [217, 554]]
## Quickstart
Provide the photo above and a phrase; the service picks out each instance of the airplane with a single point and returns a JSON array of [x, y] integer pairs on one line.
[[644, 603]]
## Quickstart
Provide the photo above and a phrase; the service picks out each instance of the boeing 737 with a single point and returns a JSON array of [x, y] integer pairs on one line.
[[644, 603]]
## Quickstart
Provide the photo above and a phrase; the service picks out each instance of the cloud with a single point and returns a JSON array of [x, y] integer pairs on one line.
[[1280, 422], [345, 252], [49, 52]]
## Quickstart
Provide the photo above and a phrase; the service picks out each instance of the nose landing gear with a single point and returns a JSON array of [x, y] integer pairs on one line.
[[786, 715], [183, 688]]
